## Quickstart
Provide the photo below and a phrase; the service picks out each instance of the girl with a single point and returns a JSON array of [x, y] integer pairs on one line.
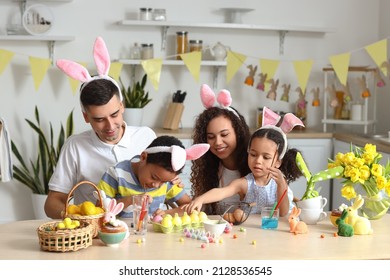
[[228, 135], [273, 167], [159, 164]]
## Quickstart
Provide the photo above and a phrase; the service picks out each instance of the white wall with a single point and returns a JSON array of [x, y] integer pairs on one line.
[[356, 24]]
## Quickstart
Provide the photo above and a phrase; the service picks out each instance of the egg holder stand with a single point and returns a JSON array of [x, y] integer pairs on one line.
[[157, 227]]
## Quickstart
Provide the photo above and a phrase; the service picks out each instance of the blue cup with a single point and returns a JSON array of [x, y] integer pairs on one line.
[[268, 221]]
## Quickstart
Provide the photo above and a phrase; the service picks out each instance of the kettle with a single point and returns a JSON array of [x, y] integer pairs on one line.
[[219, 51]]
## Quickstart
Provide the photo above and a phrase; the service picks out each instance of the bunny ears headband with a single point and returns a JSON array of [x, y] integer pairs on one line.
[[209, 99], [283, 125], [180, 155], [80, 73]]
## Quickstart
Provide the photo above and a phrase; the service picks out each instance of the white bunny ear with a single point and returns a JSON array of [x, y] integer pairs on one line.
[[111, 205], [74, 70], [207, 96], [196, 151], [101, 57], [118, 208]]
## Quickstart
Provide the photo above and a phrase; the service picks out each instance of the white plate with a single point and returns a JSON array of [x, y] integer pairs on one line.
[[38, 19], [234, 15]]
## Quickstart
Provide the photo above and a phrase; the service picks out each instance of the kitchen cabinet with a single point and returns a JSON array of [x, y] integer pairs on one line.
[[369, 104]]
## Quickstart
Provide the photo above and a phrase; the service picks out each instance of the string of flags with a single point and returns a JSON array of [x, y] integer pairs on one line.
[[234, 61]]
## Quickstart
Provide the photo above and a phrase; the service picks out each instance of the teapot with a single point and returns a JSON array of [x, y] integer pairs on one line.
[[219, 51]]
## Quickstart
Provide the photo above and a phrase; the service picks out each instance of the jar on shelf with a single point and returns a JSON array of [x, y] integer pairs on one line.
[[181, 43], [147, 51], [159, 15], [135, 51], [145, 13], [196, 45]]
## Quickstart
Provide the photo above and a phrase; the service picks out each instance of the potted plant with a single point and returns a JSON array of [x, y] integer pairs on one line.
[[135, 98], [37, 174]]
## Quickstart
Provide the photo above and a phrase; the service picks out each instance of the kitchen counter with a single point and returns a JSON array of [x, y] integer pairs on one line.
[[19, 241], [359, 140]]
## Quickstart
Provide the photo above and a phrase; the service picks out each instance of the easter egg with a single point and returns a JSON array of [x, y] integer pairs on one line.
[[239, 215], [185, 219], [167, 221], [157, 219], [229, 217], [202, 216], [177, 220]]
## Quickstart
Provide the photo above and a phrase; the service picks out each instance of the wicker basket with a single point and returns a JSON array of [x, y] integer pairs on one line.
[[94, 220], [64, 240]]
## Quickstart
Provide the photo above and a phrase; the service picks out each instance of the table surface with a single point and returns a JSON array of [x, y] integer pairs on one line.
[[19, 240]]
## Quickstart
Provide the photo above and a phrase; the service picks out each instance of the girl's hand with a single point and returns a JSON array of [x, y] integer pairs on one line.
[[177, 181], [277, 175], [196, 204]]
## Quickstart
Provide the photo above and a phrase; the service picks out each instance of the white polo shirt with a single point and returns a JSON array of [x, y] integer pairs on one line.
[[85, 157]]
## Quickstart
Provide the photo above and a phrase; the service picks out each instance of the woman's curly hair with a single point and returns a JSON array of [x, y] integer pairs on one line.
[[204, 171]]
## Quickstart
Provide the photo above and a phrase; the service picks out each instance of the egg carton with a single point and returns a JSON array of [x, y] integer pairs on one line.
[[157, 227]]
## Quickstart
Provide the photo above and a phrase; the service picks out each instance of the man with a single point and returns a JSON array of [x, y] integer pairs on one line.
[[86, 156]]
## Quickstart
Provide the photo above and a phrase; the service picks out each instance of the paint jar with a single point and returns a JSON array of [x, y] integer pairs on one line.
[[181, 43], [147, 51], [196, 45]]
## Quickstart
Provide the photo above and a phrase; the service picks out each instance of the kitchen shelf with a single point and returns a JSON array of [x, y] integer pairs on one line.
[[366, 120], [281, 29]]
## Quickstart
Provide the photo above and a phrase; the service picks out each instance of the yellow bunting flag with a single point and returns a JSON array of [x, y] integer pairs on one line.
[[74, 84], [39, 67], [5, 58], [340, 64], [192, 61], [152, 68], [378, 52], [234, 62], [115, 70], [302, 70], [269, 67]]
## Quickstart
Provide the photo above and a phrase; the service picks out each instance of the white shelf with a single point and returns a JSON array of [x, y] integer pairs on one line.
[[351, 122], [174, 62], [281, 29]]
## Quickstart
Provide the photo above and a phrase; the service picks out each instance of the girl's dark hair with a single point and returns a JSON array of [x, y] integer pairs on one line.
[[163, 159], [204, 171], [98, 92], [289, 166]]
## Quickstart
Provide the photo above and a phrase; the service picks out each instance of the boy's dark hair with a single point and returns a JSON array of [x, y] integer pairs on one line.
[[164, 159], [98, 92], [289, 166]]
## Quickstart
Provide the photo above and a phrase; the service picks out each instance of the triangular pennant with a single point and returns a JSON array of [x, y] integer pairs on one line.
[[233, 63], [378, 52], [5, 58], [302, 70], [39, 67], [115, 70], [269, 67], [192, 60], [152, 68], [74, 84], [340, 64]]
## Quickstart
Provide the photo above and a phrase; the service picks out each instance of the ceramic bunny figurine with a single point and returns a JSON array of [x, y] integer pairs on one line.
[[261, 84], [316, 98], [332, 96], [274, 86], [112, 210], [286, 92], [347, 93], [296, 226], [344, 229], [250, 79], [360, 224], [363, 86], [379, 81]]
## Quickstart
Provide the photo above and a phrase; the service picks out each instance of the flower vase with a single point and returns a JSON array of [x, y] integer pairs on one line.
[[375, 207]]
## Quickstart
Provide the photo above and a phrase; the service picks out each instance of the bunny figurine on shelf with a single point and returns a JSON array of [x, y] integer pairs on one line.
[[112, 211], [363, 86], [250, 79], [316, 98], [344, 229], [296, 226], [378, 78], [286, 92], [261, 84], [361, 225], [274, 86]]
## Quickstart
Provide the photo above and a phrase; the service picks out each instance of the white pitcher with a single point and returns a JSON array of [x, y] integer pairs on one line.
[[219, 51]]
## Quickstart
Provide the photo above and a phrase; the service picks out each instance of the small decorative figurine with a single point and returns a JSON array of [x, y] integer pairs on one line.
[[386, 64], [250, 79], [347, 93], [361, 225], [301, 105], [261, 84], [286, 91], [363, 86], [274, 86], [332, 96], [110, 215], [344, 229], [296, 226], [316, 98], [379, 81]]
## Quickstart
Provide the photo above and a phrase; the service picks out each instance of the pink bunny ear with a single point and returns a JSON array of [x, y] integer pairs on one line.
[[289, 122], [111, 205], [269, 117], [118, 208], [196, 151], [224, 98], [74, 70], [101, 57], [207, 96]]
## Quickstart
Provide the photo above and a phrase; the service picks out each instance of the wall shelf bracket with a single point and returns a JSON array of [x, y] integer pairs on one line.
[[215, 76], [164, 32], [51, 45], [282, 36]]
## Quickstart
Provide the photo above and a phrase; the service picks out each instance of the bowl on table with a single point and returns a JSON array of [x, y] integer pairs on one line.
[[215, 227]]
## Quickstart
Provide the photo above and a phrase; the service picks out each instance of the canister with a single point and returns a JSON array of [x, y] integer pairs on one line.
[[147, 51], [181, 43], [145, 13], [159, 15], [196, 45], [259, 117]]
